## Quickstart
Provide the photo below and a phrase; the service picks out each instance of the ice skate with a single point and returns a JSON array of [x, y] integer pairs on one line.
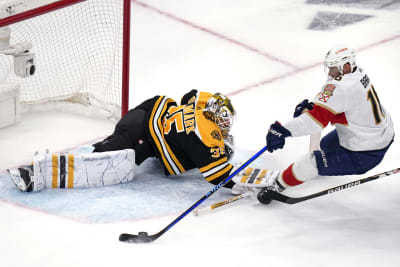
[[22, 177]]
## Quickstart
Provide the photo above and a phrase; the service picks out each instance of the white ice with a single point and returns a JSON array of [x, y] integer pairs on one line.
[[262, 55]]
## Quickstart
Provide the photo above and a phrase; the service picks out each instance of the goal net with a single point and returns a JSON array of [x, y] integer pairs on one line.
[[79, 53]]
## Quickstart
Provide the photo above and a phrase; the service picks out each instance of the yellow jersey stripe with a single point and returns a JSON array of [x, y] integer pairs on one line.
[[213, 164], [261, 176], [169, 159], [70, 171], [155, 139], [54, 160], [246, 175], [171, 154], [228, 168]]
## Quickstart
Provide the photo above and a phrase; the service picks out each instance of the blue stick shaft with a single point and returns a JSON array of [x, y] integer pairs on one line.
[[218, 186]]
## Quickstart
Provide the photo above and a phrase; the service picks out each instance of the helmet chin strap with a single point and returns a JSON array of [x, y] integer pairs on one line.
[[340, 69]]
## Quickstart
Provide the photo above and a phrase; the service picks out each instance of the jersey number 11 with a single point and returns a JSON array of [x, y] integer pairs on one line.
[[375, 104]]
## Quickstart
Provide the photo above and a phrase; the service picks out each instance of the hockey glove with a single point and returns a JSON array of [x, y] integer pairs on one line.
[[302, 106], [276, 136], [229, 147]]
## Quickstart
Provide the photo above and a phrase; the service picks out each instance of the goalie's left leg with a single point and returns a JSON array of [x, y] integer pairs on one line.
[[76, 171]]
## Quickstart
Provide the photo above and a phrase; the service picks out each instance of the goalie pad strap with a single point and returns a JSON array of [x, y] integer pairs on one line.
[[62, 171], [253, 176]]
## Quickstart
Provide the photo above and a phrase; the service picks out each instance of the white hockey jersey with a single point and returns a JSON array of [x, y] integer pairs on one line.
[[351, 104]]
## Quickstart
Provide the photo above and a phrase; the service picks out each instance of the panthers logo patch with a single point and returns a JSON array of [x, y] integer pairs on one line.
[[216, 135], [327, 93]]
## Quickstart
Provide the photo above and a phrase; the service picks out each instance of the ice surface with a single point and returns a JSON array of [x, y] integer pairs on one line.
[[263, 55]]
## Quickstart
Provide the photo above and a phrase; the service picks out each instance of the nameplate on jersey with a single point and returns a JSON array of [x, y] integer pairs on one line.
[[182, 117]]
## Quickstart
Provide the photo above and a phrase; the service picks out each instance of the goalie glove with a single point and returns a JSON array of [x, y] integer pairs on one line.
[[229, 144]]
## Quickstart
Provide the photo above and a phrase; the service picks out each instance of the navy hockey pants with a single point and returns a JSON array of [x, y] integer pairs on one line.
[[334, 160]]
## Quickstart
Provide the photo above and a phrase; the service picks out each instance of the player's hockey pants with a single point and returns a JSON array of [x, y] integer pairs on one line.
[[334, 160]]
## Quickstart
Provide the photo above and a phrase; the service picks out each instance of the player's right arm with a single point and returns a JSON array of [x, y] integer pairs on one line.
[[329, 107]]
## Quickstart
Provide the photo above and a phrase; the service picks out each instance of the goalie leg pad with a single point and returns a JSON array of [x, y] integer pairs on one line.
[[254, 177], [86, 170]]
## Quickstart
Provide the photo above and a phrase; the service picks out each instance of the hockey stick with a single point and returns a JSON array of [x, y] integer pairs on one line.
[[293, 200], [143, 237], [314, 142], [314, 145], [222, 203]]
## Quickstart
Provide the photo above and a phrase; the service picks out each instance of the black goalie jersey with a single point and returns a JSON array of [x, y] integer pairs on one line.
[[184, 139]]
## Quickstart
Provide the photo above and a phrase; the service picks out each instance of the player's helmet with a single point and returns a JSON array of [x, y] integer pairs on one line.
[[339, 56], [220, 110]]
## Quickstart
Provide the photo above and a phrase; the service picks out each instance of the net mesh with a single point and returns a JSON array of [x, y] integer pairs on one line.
[[78, 53]]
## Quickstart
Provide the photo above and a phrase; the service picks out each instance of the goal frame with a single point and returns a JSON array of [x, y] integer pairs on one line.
[[126, 37]]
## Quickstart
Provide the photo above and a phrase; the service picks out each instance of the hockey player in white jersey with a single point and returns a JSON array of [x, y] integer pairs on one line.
[[363, 129]]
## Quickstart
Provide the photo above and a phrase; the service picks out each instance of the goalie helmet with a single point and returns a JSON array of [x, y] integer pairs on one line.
[[339, 56], [219, 109]]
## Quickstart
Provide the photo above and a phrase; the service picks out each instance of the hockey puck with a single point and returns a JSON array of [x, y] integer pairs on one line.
[[143, 234], [264, 197]]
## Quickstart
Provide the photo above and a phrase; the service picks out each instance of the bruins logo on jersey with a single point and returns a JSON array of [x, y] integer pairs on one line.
[[216, 135]]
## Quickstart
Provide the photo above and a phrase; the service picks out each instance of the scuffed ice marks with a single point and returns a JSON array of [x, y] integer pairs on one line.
[[326, 21], [332, 20], [362, 4]]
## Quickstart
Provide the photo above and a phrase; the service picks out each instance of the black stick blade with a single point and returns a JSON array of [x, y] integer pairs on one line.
[[293, 200], [142, 237]]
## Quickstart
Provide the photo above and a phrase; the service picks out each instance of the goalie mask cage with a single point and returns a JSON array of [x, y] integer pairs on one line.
[[81, 50]]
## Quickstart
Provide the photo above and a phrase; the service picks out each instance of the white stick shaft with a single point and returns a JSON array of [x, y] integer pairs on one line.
[[211, 207], [314, 142]]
